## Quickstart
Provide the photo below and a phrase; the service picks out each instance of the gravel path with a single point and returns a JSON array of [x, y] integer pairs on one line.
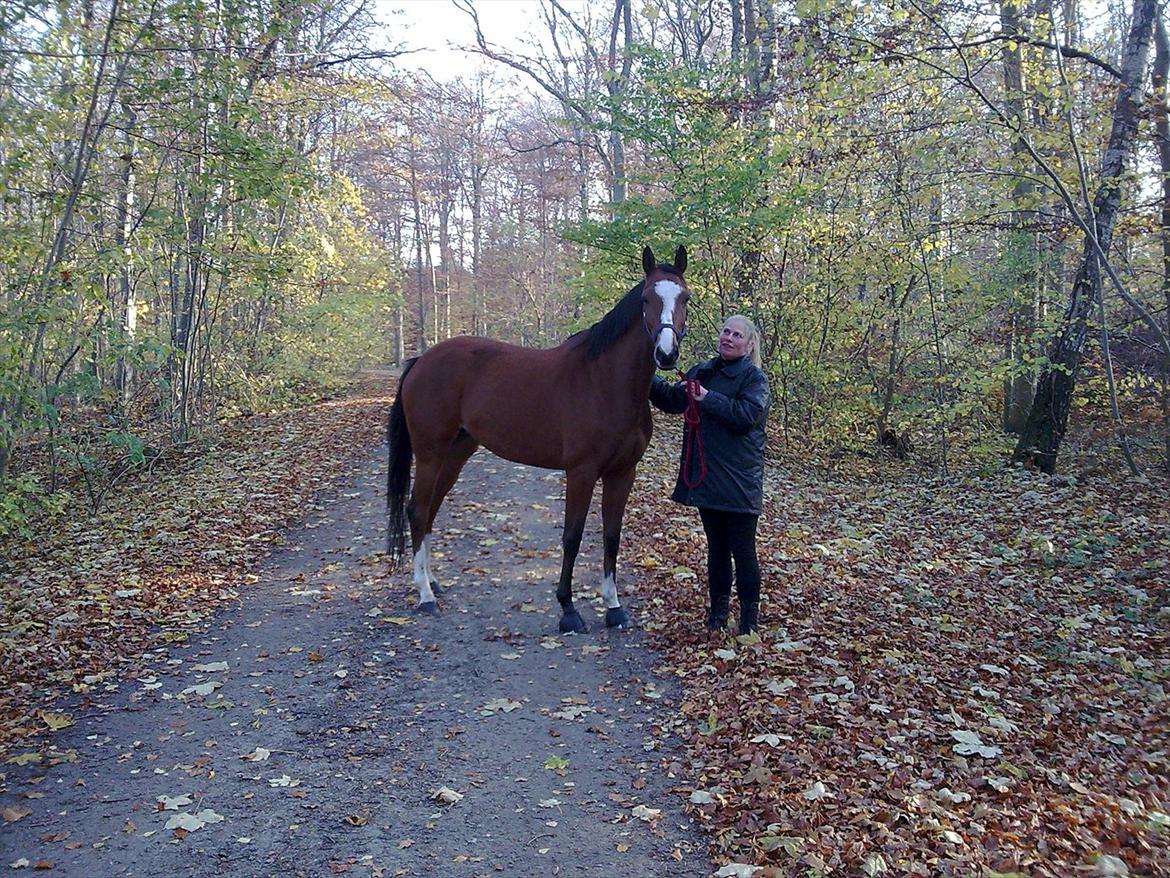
[[315, 729]]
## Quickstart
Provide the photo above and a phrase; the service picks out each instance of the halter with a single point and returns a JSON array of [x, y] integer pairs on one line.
[[679, 334]]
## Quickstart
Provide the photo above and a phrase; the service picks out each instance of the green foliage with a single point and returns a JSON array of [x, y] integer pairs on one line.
[[709, 182], [252, 271], [133, 446], [327, 293], [835, 209], [22, 498]]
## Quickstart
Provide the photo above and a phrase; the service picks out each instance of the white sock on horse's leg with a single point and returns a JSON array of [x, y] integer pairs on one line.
[[422, 572], [609, 592]]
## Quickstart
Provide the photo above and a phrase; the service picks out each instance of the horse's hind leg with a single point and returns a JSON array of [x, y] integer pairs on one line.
[[426, 472], [615, 491], [435, 476], [578, 493]]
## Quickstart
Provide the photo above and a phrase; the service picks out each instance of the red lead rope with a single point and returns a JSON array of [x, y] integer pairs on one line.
[[692, 438]]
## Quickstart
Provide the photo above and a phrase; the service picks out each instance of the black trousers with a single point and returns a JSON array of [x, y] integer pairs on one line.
[[732, 536]]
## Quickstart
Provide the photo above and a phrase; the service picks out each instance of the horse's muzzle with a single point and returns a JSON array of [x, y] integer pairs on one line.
[[663, 359], [666, 361]]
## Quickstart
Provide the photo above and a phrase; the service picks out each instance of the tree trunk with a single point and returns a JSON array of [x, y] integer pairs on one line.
[[736, 31], [477, 175], [127, 301], [432, 283], [1048, 419], [1161, 106], [617, 83], [419, 267]]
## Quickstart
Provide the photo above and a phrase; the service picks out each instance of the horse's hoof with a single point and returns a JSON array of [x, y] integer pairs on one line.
[[428, 608], [436, 590], [572, 623], [616, 617]]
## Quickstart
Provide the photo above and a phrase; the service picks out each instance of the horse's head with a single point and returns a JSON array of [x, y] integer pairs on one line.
[[664, 305]]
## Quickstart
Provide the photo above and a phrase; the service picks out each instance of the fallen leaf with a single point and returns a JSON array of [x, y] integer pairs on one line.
[[818, 791], [56, 721], [447, 796], [13, 813], [202, 688], [971, 745], [497, 704], [174, 803], [191, 822], [644, 813], [737, 870]]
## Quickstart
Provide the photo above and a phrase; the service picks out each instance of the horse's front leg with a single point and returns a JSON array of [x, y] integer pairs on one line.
[[578, 493], [615, 491]]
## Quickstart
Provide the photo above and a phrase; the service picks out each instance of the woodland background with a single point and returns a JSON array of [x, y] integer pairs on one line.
[[950, 220], [209, 208]]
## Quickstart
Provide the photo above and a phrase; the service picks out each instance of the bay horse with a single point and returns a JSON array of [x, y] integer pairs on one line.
[[582, 407]]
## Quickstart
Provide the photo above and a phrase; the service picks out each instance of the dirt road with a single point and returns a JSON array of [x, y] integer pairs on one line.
[[321, 728]]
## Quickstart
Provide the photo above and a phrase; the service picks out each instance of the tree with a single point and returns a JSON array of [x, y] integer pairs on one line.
[[1161, 107], [1047, 421]]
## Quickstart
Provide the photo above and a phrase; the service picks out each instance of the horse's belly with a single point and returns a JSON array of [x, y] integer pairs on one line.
[[529, 457], [538, 426], [519, 439]]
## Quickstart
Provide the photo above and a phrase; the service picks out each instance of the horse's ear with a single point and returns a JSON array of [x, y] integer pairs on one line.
[[680, 259], [648, 262]]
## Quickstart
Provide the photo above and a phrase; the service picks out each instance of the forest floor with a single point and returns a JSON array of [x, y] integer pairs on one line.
[[217, 675]]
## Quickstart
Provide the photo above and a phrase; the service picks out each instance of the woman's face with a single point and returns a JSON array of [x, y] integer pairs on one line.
[[733, 341]]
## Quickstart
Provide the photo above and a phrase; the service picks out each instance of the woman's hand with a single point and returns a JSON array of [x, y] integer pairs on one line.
[[700, 393]]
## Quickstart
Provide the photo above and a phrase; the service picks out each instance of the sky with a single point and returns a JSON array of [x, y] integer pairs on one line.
[[433, 26]]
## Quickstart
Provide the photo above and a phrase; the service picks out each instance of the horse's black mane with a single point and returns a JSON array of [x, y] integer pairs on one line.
[[603, 334]]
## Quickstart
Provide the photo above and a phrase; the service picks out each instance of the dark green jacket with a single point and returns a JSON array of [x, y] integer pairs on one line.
[[731, 424]]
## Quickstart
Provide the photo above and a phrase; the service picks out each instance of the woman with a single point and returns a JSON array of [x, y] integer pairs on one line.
[[732, 399]]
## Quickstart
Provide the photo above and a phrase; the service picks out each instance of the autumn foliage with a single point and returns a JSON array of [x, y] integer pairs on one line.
[[85, 595], [956, 676]]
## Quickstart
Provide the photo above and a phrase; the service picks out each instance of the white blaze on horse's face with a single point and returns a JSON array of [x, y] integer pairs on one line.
[[667, 341]]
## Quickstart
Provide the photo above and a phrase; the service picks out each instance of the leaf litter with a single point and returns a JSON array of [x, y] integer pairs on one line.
[[166, 550], [966, 681], [1040, 627]]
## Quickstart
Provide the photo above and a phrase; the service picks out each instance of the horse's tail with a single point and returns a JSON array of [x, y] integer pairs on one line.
[[398, 474]]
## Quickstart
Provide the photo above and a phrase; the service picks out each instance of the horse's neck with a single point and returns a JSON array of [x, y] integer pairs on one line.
[[628, 366]]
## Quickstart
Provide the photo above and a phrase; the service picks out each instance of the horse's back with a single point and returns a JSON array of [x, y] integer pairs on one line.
[[503, 395], [469, 362]]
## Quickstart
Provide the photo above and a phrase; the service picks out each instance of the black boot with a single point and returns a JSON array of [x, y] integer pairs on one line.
[[717, 615], [749, 617]]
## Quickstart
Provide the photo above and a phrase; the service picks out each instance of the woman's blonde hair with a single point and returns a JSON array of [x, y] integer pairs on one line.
[[753, 337]]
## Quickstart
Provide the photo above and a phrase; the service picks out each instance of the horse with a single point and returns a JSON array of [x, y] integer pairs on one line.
[[581, 407]]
